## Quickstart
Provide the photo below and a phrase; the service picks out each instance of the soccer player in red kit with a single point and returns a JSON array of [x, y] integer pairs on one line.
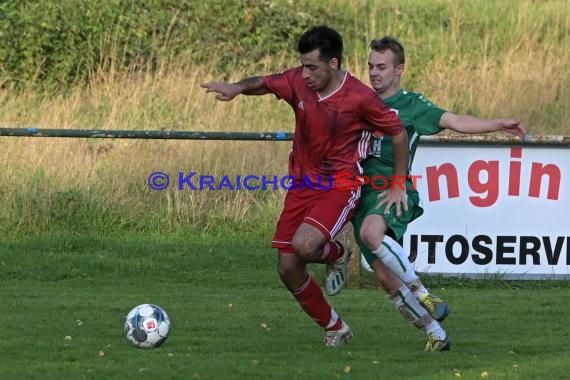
[[335, 116]]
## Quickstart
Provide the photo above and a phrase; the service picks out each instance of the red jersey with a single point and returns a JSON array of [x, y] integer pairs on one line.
[[331, 133]]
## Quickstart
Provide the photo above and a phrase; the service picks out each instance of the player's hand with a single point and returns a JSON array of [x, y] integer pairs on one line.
[[391, 197], [225, 91], [514, 127]]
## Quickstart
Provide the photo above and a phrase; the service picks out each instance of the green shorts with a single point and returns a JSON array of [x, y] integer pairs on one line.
[[398, 225]]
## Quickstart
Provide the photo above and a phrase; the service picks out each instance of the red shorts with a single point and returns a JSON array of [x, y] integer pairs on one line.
[[326, 210]]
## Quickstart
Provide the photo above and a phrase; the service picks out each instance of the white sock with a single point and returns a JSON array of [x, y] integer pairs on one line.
[[392, 255], [406, 303], [334, 318], [408, 306], [435, 330]]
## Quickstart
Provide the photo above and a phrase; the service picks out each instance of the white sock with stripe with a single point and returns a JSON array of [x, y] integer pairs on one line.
[[393, 256], [411, 309], [408, 306]]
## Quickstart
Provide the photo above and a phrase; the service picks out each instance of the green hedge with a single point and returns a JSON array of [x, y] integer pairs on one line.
[[65, 41]]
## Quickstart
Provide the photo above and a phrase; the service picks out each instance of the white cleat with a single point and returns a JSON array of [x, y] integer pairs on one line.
[[335, 338], [337, 273]]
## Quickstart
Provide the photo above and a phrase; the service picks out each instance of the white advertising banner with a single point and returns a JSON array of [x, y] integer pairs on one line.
[[492, 210]]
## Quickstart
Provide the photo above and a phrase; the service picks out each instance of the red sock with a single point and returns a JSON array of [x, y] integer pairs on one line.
[[332, 251], [310, 297]]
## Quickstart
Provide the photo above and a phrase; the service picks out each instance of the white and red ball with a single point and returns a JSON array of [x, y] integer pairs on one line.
[[147, 326]]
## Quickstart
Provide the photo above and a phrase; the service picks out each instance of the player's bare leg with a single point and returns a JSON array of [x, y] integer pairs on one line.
[[292, 270], [308, 243], [392, 254]]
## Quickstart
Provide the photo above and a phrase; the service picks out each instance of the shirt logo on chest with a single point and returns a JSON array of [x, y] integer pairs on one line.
[[301, 105]]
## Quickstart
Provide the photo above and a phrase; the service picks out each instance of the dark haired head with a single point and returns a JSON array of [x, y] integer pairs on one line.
[[326, 40], [390, 43]]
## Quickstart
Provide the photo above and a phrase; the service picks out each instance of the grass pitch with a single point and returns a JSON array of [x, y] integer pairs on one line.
[[65, 298]]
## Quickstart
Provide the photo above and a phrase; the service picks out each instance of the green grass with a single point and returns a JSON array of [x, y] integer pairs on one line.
[[487, 58], [218, 293]]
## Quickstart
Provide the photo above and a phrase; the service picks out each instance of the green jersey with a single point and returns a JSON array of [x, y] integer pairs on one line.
[[419, 116]]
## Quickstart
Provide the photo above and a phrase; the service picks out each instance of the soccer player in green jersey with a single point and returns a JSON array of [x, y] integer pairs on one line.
[[378, 230]]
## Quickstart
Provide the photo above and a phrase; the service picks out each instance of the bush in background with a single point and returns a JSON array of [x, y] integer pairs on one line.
[[61, 42]]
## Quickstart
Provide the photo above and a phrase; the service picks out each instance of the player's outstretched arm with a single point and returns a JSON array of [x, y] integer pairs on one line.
[[472, 125], [228, 91]]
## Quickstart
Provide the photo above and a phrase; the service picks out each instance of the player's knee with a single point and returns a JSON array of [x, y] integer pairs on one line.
[[372, 231], [308, 242], [305, 248], [371, 236]]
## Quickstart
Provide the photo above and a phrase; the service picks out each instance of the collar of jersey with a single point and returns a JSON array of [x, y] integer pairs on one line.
[[392, 99], [335, 91]]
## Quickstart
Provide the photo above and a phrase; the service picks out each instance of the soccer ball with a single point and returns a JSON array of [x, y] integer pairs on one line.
[[147, 326]]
